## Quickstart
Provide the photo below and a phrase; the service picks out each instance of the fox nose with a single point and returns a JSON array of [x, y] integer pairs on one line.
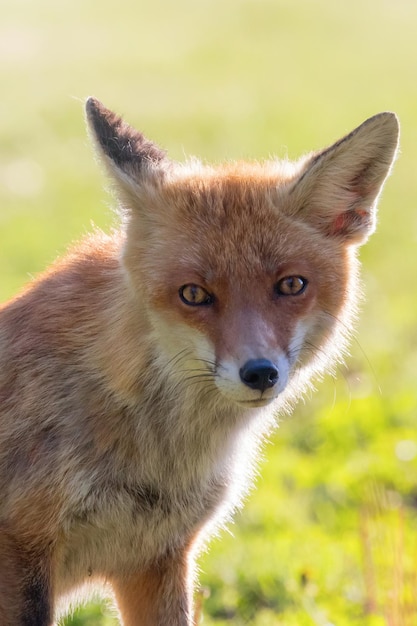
[[259, 374]]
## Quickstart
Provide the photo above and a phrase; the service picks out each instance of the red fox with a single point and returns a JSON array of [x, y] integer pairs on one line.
[[141, 373]]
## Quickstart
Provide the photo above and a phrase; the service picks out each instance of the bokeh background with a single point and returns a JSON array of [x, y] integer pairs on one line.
[[329, 535]]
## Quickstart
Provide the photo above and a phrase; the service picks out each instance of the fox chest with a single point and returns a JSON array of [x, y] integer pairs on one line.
[[122, 528]]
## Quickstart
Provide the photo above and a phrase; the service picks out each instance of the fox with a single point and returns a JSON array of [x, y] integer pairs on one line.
[[141, 374]]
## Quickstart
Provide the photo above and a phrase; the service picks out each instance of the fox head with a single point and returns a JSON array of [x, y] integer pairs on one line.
[[247, 271]]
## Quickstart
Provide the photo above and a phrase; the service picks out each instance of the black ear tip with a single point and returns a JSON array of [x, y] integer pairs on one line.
[[90, 102], [119, 141], [95, 110], [91, 105]]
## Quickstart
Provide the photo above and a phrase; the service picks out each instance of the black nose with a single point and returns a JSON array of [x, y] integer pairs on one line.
[[259, 374]]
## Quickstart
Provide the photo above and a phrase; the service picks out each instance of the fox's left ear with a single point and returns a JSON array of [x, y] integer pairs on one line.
[[128, 155], [338, 188]]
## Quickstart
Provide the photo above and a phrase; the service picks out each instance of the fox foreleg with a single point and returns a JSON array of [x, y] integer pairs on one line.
[[159, 596], [25, 594]]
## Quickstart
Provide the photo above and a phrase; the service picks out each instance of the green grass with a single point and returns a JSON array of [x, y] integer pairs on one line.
[[328, 536]]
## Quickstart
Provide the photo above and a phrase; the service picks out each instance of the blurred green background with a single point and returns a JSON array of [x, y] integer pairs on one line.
[[328, 537]]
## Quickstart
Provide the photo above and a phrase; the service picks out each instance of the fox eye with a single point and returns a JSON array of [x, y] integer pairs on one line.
[[291, 286], [194, 295]]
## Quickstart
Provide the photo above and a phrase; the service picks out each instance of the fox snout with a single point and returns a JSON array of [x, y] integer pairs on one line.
[[260, 374], [256, 382]]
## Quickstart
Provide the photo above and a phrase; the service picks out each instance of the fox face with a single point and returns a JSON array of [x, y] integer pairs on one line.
[[248, 271], [244, 296]]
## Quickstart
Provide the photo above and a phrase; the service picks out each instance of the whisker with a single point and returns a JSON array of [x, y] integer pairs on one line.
[[361, 349], [311, 348], [199, 377], [208, 361], [177, 357], [197, 369]]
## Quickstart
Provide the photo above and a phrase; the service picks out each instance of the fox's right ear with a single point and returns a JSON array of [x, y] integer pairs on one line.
[[127, 154]]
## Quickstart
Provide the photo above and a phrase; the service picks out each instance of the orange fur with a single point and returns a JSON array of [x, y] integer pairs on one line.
[[131, 414]]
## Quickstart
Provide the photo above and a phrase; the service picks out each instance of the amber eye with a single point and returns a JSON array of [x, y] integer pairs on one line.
[[194, 295], [291, 286]]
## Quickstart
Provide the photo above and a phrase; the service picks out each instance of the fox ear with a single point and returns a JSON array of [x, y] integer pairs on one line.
[[338, 188], [128, 155]]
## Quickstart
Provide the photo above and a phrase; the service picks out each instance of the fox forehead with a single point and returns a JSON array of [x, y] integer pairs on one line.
[[229, 224], [219, 193]]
